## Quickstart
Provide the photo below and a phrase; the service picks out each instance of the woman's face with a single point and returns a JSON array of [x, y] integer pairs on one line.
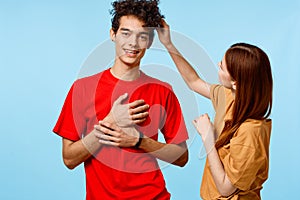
[[224, 76]]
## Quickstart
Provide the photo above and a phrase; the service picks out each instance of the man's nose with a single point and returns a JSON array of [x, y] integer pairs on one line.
[[133, 40]]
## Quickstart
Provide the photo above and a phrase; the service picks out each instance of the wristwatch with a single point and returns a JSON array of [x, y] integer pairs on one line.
[[141, 136]]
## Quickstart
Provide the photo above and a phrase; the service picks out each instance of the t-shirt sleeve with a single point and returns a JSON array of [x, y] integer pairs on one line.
[[245, 159], [216, 91], [70, 124], [174, 128]]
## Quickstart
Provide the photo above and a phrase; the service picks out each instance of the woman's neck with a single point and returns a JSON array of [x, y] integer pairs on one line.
[[233, 93]]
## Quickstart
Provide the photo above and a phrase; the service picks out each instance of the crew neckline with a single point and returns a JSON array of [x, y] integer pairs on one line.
[[139, 79]]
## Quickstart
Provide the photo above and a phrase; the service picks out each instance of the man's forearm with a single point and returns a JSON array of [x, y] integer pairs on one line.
[[171, 153], [111, 134], [74, 153]]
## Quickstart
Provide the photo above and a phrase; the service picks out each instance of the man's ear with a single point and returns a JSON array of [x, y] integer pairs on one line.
[[112, 35], [233, 84]]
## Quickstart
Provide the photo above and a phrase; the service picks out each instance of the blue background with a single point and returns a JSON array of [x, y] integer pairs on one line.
[[44, 43]]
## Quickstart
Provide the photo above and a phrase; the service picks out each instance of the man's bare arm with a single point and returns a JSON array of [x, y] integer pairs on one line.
[[111, 134], [76, 152], [176, 154]]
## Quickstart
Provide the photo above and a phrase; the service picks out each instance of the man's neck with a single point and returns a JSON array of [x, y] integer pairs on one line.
[[125, 73]]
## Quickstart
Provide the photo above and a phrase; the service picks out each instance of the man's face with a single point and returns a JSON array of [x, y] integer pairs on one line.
[[131, 41]]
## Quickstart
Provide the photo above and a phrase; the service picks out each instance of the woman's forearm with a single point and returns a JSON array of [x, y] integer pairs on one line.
[[187, 72], [221, 180]]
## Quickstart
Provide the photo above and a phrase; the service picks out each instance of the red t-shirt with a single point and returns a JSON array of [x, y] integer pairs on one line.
[[113, 172]]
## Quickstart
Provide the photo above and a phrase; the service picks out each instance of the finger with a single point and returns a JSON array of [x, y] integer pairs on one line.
[[108, 142], [107, 125], [195, 123], [197, 118], [110, 126], [109, 135], [139, 109], [108, 138], [99, 134], [207, 116], [203, 117], [140, 116], [159, 31], [138, 121], [136, 103], [97, 127], [121, 98], [163, 23], [104, 127]]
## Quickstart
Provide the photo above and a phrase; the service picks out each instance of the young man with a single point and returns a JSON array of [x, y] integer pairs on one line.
[[119, 151]]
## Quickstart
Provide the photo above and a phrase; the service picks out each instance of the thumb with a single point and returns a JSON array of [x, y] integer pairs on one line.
[[195, 123], [121, 98]]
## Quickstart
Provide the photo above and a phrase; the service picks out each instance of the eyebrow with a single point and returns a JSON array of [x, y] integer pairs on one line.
[[124, 29], [142, 32]]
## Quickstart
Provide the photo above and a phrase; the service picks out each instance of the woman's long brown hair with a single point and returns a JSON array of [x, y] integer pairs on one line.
[[250, 67]]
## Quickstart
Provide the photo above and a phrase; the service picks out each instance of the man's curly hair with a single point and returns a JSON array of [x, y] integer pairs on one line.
[[145, 10]]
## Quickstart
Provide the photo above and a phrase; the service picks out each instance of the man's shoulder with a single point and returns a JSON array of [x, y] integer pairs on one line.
[[91, 79], [151, 80]]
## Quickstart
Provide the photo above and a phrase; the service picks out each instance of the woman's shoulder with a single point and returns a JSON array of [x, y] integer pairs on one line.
[[252, 131], [256, 124]]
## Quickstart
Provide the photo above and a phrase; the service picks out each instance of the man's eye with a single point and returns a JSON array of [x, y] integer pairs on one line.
[[144, 37]]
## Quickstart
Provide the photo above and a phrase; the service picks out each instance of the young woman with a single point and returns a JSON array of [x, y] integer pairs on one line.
[[237, 144]]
